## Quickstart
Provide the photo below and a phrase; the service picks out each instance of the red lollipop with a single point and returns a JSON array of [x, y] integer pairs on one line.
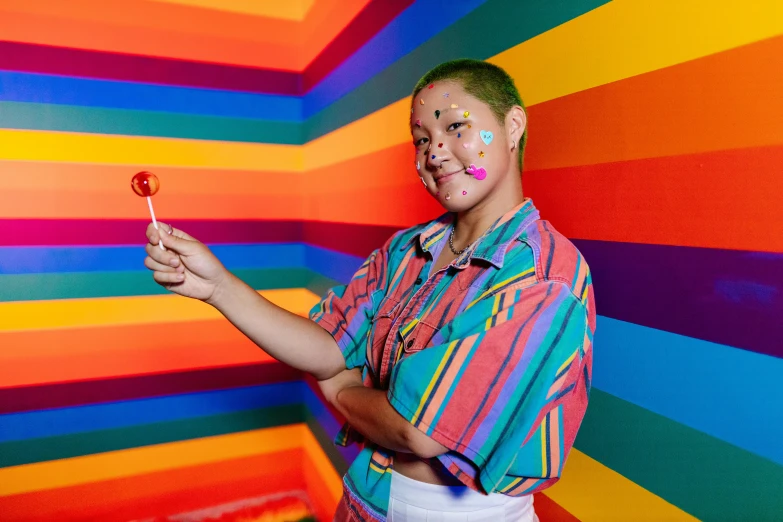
[[146, 184]]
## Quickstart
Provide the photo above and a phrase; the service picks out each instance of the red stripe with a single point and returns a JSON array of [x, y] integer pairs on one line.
[[164, 492], [25, 398], [125, 67]]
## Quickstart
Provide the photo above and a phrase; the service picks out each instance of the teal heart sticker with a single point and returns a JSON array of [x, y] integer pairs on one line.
[[486, 136]]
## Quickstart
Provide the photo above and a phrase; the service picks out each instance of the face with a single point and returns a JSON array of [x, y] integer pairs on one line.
[[462, 152]]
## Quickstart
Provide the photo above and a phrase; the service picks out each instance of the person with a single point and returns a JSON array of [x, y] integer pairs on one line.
[[460, 353]]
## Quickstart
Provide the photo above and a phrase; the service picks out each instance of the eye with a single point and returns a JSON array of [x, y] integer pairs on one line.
[[420, 141], [456, 125]]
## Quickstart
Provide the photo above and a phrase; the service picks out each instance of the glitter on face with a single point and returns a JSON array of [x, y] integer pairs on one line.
[[465, 114], [481, 154]]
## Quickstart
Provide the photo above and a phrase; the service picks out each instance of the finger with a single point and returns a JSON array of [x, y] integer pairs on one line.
[[160, 267], [168, 278], [179, 244], [162, 256], [167, 228]]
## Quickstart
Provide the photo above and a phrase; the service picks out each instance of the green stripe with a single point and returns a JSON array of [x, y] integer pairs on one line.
[[68, 118], [489, 30], [326, 443], [320, 284], [700, 474], [81, 285], [65, 446]]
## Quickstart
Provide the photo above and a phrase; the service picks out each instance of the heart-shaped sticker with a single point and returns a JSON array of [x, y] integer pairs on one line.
[[486, 136], [477, 172]]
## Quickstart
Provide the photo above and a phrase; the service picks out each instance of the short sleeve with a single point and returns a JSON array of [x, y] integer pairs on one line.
[[346, 312], [506, 367]]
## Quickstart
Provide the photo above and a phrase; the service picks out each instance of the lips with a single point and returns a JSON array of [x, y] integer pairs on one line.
[[445, 178]]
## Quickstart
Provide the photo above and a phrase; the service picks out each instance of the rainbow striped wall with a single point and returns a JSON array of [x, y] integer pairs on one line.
[[656, 139]]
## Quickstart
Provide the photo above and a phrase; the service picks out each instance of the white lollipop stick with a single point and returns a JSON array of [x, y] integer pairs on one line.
[[155, 222]]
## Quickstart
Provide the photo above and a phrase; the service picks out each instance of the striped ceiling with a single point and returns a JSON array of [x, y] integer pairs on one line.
[[279, 133]]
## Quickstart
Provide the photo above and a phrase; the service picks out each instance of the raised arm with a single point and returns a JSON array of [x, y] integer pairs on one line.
[[187, 267]]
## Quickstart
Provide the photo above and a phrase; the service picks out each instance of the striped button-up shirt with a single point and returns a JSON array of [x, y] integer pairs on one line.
[[490, 356]]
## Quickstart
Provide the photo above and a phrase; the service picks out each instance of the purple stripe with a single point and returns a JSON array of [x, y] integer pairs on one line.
[[373, 18], [348, 238], [54, 232], [729, 297], [39, 397], [32, 58]]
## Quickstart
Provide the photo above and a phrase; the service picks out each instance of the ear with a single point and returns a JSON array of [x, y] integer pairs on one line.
[[516, 123]]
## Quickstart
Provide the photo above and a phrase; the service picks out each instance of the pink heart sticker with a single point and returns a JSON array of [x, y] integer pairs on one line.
[[478, 172]]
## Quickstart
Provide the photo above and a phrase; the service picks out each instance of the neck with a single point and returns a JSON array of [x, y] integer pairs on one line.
[[476, 220]]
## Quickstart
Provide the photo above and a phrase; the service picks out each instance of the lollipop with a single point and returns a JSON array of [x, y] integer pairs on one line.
[[146, 184]]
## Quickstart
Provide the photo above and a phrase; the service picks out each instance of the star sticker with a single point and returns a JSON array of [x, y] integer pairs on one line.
[[481, 154], [445, 95]]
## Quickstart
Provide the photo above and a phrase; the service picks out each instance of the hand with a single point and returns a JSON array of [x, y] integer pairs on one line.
[[332, 387], [187, 267]]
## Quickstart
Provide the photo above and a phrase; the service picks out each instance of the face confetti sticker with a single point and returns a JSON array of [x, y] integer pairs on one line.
[[418, 165], [433, 156], [465, 145], [448, 195], [421, 101], [440, 145], [481, 154], [437, 114], [431, 86], [464, 192], [486, 136], [422, 180], [459, 135], [466, 114], [418, 123], [445, 95], [454, 105]]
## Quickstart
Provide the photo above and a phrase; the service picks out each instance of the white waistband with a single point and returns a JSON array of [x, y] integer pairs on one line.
[[448, 498]]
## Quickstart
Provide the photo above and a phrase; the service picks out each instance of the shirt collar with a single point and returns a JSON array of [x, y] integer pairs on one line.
[[491, 246]]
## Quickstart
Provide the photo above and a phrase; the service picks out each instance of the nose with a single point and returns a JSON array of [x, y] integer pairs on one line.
[[437, 155]]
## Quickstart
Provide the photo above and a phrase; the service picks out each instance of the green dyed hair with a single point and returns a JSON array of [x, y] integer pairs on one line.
[[484, 81]]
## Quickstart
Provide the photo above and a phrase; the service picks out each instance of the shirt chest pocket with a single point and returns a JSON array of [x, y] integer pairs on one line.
[[380, 328]]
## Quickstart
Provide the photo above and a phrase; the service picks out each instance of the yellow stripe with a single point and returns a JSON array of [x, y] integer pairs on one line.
[[138, 152], [148, 459], [76, 313], [434, 379], [566, 363], [544, 429], [594, 493], [495, 309], [294, 10], [620, 39], [325, 469]]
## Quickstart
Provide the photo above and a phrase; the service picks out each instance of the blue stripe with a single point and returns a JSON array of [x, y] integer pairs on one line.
[[331, 263], [37, 260], [62, 90], [420, 22], [81, 419], [726, 392]]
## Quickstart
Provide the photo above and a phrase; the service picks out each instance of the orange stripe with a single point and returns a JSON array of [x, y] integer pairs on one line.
[[145, 41], [451, 376], [164, 30], [168, 491], [47, 190], [666, 112]]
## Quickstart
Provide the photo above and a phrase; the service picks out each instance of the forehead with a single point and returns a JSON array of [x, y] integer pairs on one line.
[[441, 96]]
